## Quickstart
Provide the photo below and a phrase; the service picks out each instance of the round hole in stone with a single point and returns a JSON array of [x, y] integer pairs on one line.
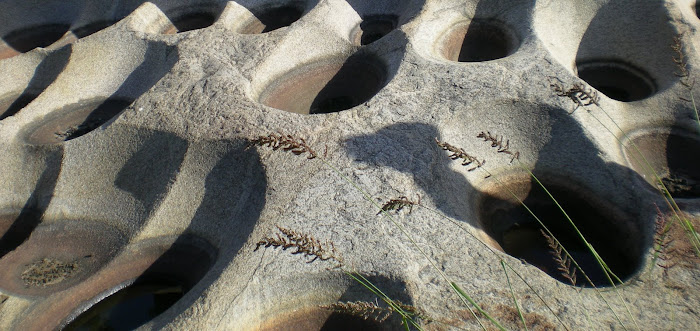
[[191, 21], [373, 28], [75, 120], [319, 319], [15, 228], [91, 28], [520, 235], [478, 40], [130, 307], [617, 80], [673, 155], [56, 256], [273, 18], [38, 36], [163, 275], [327, 87], [11, 105]]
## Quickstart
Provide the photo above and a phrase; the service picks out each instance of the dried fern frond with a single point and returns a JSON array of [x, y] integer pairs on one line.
[[663, 242], [497, 142], [458, 153], [370, 310], [398, 204], [362, 309], [580, 94], [303, 244], [563, 261], [287, 143]]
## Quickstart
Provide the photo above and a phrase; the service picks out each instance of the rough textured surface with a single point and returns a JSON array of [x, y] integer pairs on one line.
[[123, 142]]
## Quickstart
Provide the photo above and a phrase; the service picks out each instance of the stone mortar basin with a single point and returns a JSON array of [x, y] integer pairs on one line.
[[130, 195]]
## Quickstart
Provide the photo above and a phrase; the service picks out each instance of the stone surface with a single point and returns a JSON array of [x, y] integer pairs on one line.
[[123, 140]]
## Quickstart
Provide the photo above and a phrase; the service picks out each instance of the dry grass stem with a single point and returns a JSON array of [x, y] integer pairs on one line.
[[497, 142], [458, 153], [287, 143], [563, 261], [303, 244], [371, 311], [663, 242], [683, 72], [398, 204], [580, 94]]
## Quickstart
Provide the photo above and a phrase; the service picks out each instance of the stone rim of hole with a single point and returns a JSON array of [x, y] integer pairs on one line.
[[518, 233], [359, 36], [28, 38], [74, 120], [191, 18], [453, 42], [186, 260], [640, 87], [324, 80], [255, 22], [684, 186]]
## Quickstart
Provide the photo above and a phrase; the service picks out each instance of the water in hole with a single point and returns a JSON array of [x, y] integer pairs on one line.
[[129, 308]]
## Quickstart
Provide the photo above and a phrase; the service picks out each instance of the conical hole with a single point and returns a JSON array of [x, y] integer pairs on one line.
[[520, 235], [479, 40], [271, 19], [76, 120], [327, 87], [373, 28], [616, 80], [672, 156], [191, 21], [129, 308], [39, 36]]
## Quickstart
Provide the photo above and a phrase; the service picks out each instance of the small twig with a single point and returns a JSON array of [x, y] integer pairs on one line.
[[580, 94], [563, 261], [497, 142], [458, 153], [398, 204], [304, 244], [287, 143]]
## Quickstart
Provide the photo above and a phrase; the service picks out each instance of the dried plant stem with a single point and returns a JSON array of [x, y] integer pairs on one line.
[[304, 244], [298, 146], [512, 294], [563, 261]]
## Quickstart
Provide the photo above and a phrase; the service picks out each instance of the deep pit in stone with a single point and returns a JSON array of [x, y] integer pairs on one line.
[[56, 256], [130, 307], [270, 19], [617, 80], [327, 87], [75, 120], [673, 156], [520, 235], [191, 21], [373, 28], [163, 275], [321, 319], [25, 40], [478, 40]]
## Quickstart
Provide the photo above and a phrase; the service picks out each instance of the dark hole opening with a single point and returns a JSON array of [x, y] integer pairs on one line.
[[357, 81], [194, 21], [519, 234], [130, 307], [674, 157], [341, 322], [39, 36], [91, 28], [485, 41], [272, 19], [374, 28], [617, 81]]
